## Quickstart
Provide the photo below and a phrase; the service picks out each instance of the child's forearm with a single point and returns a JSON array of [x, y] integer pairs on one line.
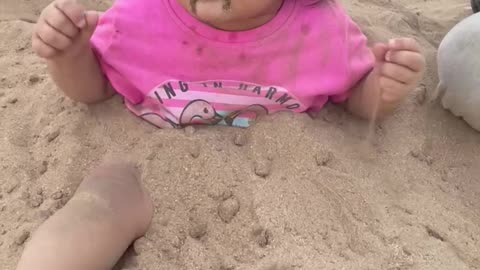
[[366, 101], [79, 76]]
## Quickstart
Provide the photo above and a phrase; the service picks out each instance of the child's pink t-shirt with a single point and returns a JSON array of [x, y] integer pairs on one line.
[[175, 71]]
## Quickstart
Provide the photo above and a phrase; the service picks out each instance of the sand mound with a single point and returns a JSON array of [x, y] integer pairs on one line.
[[288, 193]]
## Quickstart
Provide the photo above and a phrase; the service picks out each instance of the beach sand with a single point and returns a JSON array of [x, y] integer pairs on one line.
[[325, 199]]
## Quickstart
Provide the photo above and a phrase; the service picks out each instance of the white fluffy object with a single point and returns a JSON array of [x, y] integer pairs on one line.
[[459, 70]]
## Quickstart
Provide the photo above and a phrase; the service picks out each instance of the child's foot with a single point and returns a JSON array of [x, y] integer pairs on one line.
[[108, 212]]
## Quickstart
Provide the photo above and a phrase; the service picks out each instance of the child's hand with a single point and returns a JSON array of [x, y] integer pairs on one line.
[[63, 27], [399, 67]]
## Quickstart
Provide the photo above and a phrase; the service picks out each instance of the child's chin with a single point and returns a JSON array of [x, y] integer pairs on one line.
[[210, 10], [219, 22]]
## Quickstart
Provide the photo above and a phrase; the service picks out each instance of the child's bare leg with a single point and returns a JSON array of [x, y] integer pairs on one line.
[[107, 213]]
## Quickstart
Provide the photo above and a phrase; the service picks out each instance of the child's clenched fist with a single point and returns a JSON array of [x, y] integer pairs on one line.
[[400, 66], [63, 28]]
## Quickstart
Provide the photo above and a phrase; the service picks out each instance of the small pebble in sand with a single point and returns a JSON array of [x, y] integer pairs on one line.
[[155, 150], [179, 240], [33, 79], [11, 187], [53, 135], [60, 203], [44, 214], [420, 155], [415, 153], [194, 151], [227, 194], [447, 175], [198, 229], [43, 167], [323, 157], [12, 100], [189, 130], [428, 160], [227, 263], [141, 245], [168, 253], [25, 195], [240, 139], [262, 236], [39, 191], [219, 193], [22, 237], [433, 233], [228, 209], [164, 221], [263, 168], [151, 156], [35, 201], [406, 251], [57, 195]]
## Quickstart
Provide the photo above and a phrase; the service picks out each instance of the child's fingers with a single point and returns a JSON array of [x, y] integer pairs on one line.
[[379, 50], [398, 73], [74, 11], [42, 49], [392, 90], [57, 19], [411, 60], [407, 44], [52, 37], [91, 18]]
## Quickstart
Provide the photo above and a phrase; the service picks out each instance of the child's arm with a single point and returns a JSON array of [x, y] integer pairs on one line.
[[62, 37], [399, 67], [80, 77]]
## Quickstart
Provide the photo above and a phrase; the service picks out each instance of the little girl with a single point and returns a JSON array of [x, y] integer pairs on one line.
[[189, 62]]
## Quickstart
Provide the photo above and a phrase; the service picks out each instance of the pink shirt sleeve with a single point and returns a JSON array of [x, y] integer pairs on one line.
[[104, 34], [357, 56], [103, 42]]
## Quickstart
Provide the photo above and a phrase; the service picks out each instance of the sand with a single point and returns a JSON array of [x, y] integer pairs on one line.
[[291, 192]]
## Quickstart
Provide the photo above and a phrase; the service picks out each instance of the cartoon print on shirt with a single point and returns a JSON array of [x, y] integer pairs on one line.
[[256, 110], [199, 112], [152, 113], [176, 104], [159, 121]]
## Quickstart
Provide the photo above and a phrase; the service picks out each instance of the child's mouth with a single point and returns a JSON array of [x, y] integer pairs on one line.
[[227, 4]]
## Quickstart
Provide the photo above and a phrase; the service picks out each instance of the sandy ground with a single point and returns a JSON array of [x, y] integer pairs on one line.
[[410, 201]]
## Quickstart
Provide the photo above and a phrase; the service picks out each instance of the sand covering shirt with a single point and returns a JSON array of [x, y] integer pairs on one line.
[[174, 71]]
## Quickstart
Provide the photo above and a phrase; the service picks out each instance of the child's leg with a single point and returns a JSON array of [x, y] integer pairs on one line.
[[107, 213]]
